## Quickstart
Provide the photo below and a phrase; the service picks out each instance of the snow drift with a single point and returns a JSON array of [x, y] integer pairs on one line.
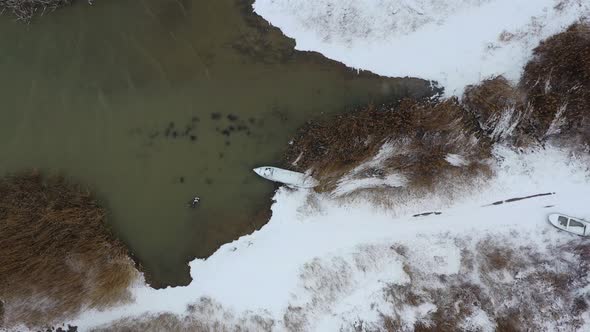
[[454, 42], [321, 265]]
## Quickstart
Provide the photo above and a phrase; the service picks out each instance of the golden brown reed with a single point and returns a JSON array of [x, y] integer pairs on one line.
[[56, 254], [556, 83], [421, 133], [550, 103], [497, 105]]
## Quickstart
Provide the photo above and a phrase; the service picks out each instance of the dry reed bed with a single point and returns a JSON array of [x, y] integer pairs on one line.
[[421, 135], [557, 86], [56, 254], [24, 10], [551, 103]]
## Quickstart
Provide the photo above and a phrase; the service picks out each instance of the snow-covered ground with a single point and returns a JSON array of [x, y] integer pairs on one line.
[[454, 42], [325, 262]]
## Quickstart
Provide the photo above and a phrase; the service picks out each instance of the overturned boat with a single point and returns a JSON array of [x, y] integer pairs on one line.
[[290, 178], [570, 224]]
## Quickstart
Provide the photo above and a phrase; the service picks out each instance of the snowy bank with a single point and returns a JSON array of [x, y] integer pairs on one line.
[[454, 42], [321, 265]]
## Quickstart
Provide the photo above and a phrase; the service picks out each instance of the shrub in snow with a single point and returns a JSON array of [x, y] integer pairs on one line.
[[552, 100]]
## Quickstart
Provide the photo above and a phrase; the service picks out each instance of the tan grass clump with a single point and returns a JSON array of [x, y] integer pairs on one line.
[[205, 315], [556, 83], [56, 254]]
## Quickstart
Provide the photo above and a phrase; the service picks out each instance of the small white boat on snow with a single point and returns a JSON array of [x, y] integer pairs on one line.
[[290, 178], [570, 224]]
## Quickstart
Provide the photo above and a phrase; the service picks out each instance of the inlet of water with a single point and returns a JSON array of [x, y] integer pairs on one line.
[[152, 102]]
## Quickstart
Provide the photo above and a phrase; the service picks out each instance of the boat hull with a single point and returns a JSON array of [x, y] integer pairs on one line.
[[290, 178], [570, 224]]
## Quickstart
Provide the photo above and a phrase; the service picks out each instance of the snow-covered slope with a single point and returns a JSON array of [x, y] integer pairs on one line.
[[455, 42]]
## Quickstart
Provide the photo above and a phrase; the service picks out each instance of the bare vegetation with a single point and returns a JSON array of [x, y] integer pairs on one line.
[[56, 254], [552, 100], [202, 316], [505, 289], [497, 286], [24, 10], [419, 134], [497, 106], [557, 85]]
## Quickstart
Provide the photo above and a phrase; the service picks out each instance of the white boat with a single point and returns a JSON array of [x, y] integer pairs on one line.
[[290, 178], [570, 224]]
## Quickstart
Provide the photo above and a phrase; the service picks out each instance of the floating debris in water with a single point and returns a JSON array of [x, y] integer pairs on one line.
[[188, 129], [172, 131], [215, 116], [194, 202], [515, 199]]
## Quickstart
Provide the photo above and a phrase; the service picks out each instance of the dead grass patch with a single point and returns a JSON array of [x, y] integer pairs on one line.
[[24, 10], [421, 134], [56, 254], [497, 105], [551, 101], [514, 288], [205, 315]]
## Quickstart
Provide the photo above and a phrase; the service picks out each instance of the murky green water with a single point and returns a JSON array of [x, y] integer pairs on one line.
[[150, 102]]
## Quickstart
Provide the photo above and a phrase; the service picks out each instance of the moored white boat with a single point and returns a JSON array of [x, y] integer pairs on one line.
[[570, 224], [290, 178]]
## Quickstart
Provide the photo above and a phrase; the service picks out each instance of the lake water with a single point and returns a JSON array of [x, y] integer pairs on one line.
[[151, 102]]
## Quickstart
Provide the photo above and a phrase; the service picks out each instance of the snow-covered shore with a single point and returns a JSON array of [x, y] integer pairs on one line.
[[334, 260], [454, 42]]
